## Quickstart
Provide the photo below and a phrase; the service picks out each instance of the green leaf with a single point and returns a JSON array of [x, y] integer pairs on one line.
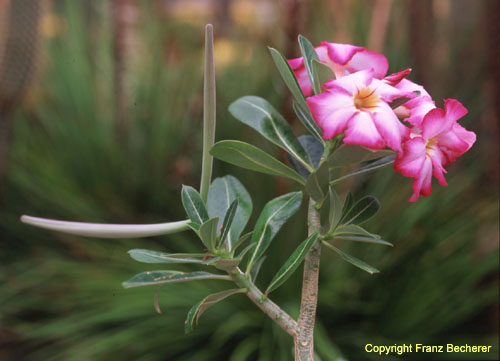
[[149, 256], [305, 117], [258, 114], [314, 149], [385, 161], [247, 156], [331, 215], [208, 233], [275, 213], [223, 191], [317, 183], [353, 229], [365, 240], [322, 72], [227, 264], [194, 205], [292, 263], [155, 278], [335, 208], [243, 239], [362, 210], [348, 202], [309, 54], [245, 250], [196, 311], [346, 155], [352, 260], [256, 269], [288, 76], [228, 220], [356, 233], [195, 227]]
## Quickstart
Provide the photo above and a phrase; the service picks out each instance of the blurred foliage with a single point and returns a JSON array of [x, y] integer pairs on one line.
[[61, 295]]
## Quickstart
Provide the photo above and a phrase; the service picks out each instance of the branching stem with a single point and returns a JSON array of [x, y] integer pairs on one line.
[[282, 319]]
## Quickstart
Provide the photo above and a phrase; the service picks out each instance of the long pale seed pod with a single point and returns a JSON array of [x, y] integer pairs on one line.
[[102, 230], [208, 112]]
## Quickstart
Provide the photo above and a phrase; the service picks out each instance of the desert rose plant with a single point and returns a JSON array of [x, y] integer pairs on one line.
[[358, 120]]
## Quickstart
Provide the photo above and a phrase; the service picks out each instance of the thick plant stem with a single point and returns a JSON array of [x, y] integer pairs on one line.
[[304, 341], [282, 319]]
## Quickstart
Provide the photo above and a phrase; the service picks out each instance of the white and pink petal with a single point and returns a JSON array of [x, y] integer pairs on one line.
[[352, 82], [396, 78], [435, 123], [367, 59], [332, 110], [362, 131], [388, 126], [409, 162], [422, 184]]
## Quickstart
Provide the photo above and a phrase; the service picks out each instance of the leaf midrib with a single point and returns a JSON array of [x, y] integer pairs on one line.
[[283, 141], [250, 263]]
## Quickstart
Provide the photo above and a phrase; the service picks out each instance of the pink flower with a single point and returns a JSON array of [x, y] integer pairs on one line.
[[397, 78], [357, 104], [343, 59], [439, 141], [414, 110]]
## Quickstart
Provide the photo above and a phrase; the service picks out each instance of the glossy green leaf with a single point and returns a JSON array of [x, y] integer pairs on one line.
[[346, 155], [154, 278], [353, 232], [322, 72], [194, 205], [247, 156], [254, 273], [314, 149], [331, 214], [292, 263], [223, 191], [208, 233], [365, 240], [243, 239], [226, 264], [317, 183], [149, 256], [288, 76], [353, 229], [352, 260], [361, 211], [335, 208], [275, 213], [309, 54], [195, 227], [380, 163], [348, 202], [258, 114], [196, 311], [305, 117], [245, 250], [228, 221]]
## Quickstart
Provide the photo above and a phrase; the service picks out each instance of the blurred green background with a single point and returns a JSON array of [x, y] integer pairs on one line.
[[100, 114]]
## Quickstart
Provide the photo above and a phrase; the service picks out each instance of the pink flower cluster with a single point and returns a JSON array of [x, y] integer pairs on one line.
[[357, 104]]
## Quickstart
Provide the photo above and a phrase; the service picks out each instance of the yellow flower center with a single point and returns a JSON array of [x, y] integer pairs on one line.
[[366, 99], [429, 146]]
